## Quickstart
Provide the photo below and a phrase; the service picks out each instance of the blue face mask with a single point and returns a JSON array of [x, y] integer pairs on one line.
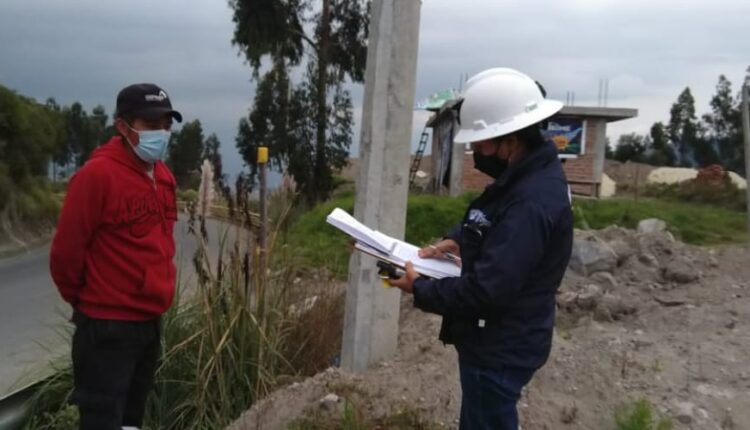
[[152, 145]]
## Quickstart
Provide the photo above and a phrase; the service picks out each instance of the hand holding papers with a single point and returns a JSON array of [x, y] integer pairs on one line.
[[386, 248], [434, 251]]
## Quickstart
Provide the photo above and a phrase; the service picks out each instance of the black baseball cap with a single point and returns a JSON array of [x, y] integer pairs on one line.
[[146, 101]]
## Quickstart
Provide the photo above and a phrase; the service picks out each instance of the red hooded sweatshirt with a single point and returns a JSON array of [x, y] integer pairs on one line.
[[111, 257]]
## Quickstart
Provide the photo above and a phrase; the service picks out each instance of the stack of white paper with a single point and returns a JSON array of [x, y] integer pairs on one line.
[[360, 232], [388, 249]]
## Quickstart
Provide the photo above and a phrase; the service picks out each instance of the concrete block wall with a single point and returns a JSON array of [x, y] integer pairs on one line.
[[584, 167]]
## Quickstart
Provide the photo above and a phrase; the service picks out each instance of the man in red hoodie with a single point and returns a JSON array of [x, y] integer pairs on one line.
[[111, 259]]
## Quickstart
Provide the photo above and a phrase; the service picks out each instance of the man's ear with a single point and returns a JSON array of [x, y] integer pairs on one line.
[[122, 126]]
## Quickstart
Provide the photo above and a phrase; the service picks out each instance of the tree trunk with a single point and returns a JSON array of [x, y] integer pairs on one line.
[[320, 172]]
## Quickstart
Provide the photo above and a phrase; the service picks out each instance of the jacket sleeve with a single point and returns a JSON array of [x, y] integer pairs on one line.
[[511, 251], [454, 233], [80, 217]]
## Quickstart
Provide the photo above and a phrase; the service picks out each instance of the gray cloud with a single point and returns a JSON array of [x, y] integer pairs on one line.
[[87, 50], [648, 50], [82, 50]]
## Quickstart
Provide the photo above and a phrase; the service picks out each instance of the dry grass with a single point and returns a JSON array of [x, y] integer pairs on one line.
[[235, 337]]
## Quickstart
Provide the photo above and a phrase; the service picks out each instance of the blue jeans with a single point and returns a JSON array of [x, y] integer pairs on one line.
[[489, 396]]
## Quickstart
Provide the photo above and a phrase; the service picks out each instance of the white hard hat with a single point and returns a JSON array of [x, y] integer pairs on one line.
[[500, 101]]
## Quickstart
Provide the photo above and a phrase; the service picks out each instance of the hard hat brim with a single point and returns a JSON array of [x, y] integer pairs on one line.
[[546, 109]]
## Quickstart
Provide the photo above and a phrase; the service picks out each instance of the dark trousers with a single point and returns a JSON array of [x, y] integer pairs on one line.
[[489, 396], [113, 370]]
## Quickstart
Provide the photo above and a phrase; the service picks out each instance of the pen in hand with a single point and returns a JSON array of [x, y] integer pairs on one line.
[[451, 257], [447, 255]]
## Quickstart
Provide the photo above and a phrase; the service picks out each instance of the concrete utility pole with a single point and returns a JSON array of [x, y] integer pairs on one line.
[[746, 135], [371, 317]]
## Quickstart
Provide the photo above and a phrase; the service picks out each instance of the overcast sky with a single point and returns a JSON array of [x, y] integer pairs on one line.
[[86, 50]]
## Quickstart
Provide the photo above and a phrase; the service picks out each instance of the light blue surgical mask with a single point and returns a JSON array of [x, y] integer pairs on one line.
[[152, 145]]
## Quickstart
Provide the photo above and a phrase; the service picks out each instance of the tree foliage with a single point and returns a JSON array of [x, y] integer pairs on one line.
[[30, 133], [724, 126], [686, 141], [186, 150], [213, 155], [307, 125], [684, 129], [630, 147], [660, 152], [83, 132], [269, 28]]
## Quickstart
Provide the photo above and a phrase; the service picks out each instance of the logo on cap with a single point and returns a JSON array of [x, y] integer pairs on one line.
[[156, 98]]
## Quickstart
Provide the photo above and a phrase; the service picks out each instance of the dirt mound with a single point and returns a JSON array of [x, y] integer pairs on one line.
[[629, 174], [640, 316], [423, 377], [612, 268], [712, 176]]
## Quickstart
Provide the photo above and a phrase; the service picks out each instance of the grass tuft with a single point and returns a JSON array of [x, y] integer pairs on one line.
[[640, 415]]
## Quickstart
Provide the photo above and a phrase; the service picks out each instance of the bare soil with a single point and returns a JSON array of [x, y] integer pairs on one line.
[[669, 323], [628, 175]]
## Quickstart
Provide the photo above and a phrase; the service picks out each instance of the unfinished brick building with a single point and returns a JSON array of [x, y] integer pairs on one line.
[[579, 131]]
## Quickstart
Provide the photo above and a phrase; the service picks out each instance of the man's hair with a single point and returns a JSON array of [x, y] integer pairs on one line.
[[127, 117], [531, 136]]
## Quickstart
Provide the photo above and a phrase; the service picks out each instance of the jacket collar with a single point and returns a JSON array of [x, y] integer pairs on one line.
[[531, 162]]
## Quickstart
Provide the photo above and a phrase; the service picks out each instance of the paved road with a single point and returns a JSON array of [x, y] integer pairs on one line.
[[33, 329]]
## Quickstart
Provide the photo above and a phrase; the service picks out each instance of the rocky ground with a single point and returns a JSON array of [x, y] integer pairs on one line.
[[640, 316]]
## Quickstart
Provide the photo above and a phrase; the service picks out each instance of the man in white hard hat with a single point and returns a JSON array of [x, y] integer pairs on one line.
[[514, 242]]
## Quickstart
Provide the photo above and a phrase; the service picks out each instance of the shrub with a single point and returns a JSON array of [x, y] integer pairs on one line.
[[639, 415], [187, 196], [692, 223], [693, 191]]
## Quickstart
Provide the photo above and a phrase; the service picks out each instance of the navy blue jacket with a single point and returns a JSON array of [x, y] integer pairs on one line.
[[515, 242]]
